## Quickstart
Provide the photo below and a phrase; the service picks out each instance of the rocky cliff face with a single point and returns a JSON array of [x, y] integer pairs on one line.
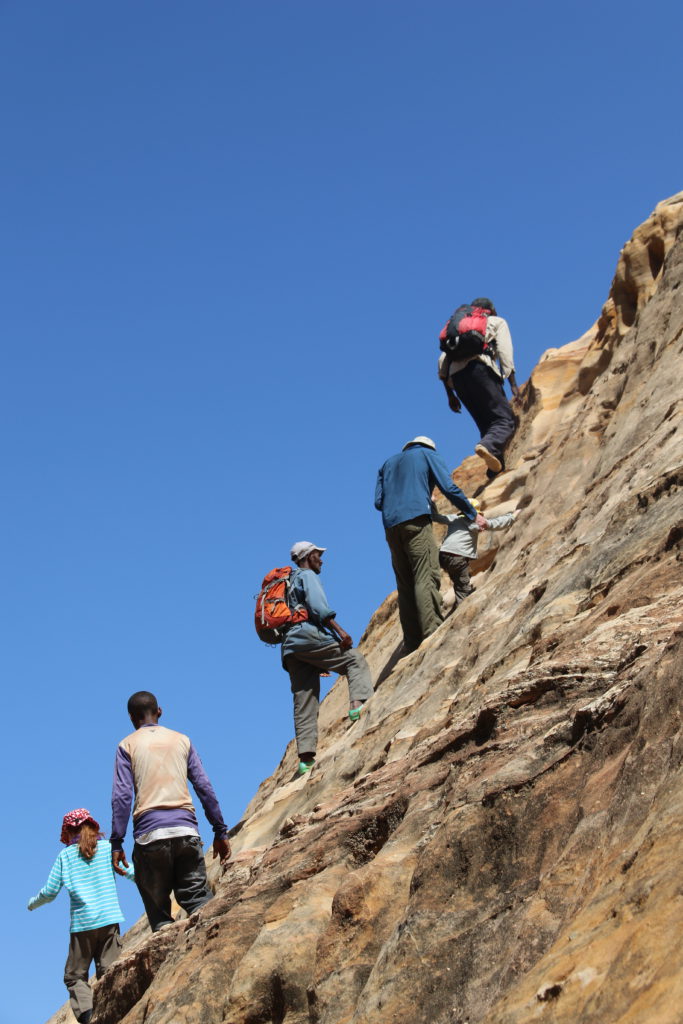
[[498, 839]]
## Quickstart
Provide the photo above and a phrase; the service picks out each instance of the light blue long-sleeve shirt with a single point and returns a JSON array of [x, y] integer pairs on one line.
[[90, 884], [405, 484], [305, 589]]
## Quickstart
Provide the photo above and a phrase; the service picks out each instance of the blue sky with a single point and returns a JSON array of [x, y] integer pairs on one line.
[[231, 234]]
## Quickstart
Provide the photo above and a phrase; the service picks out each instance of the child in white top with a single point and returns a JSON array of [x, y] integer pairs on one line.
[[460, 546]]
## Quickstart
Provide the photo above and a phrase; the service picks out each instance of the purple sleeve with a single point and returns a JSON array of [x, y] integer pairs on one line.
[[121, 798], [205, 792]]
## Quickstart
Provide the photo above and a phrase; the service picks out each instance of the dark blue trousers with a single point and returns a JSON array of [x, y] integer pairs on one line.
[[481, 392]]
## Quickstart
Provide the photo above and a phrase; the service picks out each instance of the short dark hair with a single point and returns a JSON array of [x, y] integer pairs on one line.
[[142, 703], [484, 303]]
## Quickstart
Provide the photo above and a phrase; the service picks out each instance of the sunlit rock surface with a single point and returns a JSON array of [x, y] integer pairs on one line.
[[498, 839]]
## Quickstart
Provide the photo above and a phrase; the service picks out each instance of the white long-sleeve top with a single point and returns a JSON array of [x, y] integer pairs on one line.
[[498, 334], [462, 536]]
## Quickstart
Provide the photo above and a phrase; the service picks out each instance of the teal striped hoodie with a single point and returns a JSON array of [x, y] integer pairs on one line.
[[90, 884]]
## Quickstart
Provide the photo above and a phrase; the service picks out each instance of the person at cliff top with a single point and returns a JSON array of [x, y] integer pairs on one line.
[[477, 383], [85, 869], [318, 644], [403, 495], [460, 546], [155, 763]]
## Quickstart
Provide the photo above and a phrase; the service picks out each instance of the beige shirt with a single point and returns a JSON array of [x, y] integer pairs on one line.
[[158, 757], [498, 333]]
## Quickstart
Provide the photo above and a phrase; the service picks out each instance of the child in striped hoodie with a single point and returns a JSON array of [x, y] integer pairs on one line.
[[85, 868]]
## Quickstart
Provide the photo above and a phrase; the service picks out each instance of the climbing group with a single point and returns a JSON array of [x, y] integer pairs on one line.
[[292, 609], [154, 764]]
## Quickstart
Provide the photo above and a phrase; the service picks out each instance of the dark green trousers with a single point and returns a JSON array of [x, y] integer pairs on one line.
[[415, 559]]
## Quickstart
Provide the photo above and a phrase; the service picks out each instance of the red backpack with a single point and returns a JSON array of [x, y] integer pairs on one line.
[[273, 612], [464, 335]]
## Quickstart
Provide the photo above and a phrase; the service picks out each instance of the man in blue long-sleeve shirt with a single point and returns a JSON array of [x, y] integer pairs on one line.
[[318, 644], [403, 493], [154, 764]]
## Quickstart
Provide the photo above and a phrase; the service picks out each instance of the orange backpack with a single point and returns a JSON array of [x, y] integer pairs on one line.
[[273, 613]]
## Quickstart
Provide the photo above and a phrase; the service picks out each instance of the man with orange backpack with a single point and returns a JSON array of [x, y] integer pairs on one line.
[[317, 644], [476, 358]]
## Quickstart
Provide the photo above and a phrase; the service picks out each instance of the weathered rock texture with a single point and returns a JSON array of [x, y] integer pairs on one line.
[[498, 839]]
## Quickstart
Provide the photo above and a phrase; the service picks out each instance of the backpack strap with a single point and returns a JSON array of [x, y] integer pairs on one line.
[[294, 608]]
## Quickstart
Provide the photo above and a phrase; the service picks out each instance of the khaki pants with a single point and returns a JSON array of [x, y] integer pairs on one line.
[[415, 559], [102, 945]]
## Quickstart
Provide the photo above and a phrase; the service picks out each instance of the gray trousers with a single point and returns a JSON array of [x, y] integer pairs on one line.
[[102, 945], [458, 569], [415, 559], [304, 669]]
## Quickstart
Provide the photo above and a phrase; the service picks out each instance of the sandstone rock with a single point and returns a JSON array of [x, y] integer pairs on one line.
[[497, 839]]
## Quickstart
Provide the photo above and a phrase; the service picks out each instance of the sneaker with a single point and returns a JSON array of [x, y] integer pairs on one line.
[[85, 1017], [354, 713], [489, 458], [304, 766]]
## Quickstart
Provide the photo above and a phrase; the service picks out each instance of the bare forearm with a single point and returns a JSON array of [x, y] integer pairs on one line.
[[453, 400], [341, 634]]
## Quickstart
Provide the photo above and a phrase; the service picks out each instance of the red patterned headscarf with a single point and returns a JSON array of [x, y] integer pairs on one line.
[[73, 819]]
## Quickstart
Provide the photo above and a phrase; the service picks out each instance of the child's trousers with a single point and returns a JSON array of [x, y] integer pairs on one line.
[[458, 569], [102, 945]]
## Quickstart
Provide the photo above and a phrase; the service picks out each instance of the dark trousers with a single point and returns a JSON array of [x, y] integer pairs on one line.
[[102, 945], [170, 865], [414, 557], [481, 392], [458, 569]]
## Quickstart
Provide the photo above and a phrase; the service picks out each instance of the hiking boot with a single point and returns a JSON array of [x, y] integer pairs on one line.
[[493, 463], [85, 1017], [305, 766]]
